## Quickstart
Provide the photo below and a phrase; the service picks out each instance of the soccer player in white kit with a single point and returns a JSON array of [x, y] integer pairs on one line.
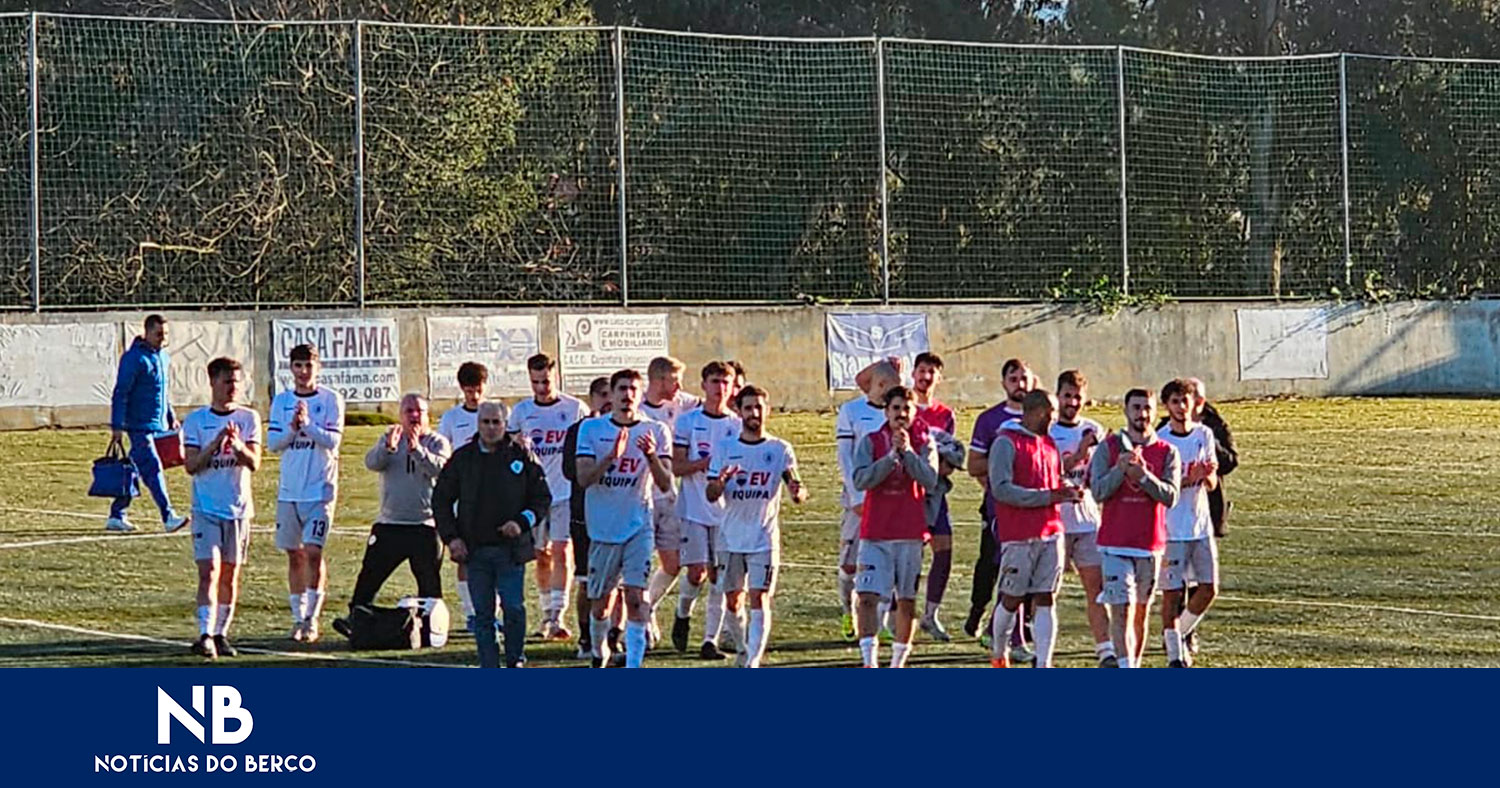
[[307, 427], [746, 473], [1076, 437], [695, 436], [221, 448], [857, 418], [459, 425], [542, 422], [664, 402], [621, 458], [1192, 552]]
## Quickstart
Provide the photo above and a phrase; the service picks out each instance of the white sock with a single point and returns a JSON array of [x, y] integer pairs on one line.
[[869, 651], [1172, 638], [760, 632], [295, 602], [599, 635], [1044, 629], [635, 643], [734, 629], [686, 596], [1003, 623], [883, 613], [1104, 649], [559, 603], [659, 587], [714, 616], [312, 604], [1189, 621], [205, 619], [846, 593], [222, 618], [899, 653], [465, 602]]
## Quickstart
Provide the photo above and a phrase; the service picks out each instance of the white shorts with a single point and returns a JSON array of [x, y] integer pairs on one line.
[[558, 520], [627, 562], [759, 569], [666, 527], [1196, 561], [1082, 549], [1031, 567], [300, 523], [698, 543], [889, 566], [848, 538], [214, 538], [1129, 580]]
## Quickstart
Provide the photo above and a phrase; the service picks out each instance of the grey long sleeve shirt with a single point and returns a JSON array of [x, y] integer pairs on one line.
[[920, 463], [1105, 478], [1002, 458], [407, 476]]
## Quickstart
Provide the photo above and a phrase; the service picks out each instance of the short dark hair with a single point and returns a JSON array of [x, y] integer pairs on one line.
[[624, 374], [716, 368], [541, 362], [750, 391], [221, 365], [1034, 399], [1012, 365], [1072, 378], [473, 373], [897, 392], [303, 352], [928, 357], [1177, 386], [1137, 392], [739, 369], [599, 386], [152, 321]]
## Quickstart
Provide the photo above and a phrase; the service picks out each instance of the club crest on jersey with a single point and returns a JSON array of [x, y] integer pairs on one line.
[[515, 467]]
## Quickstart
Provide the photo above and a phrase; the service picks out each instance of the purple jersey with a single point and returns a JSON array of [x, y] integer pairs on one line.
[[986, 429]]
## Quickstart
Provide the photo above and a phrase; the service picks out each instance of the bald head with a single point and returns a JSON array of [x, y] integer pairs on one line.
[[1038, 411], [884, 376]]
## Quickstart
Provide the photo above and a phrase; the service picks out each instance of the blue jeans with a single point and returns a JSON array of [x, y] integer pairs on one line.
[[492, 572], [148, 466]]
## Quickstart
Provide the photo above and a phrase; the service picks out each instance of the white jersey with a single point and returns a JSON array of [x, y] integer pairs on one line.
[[1081, 517], [459, 425], [752, 499], [619, 504], [700, 434], [222, 488], [667, 413], [544, 428], [309, 455], [857, 418], [1190, 519]]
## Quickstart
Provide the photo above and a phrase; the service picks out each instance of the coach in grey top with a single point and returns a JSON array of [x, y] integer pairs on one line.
[[408, 457]]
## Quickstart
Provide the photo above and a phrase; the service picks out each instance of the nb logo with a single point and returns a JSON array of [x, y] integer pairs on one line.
[[226, 706]]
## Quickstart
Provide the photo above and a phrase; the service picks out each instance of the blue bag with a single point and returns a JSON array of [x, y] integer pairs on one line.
[[114, 474]]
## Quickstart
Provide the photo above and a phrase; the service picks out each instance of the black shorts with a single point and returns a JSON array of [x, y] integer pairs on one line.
[[578, 536]]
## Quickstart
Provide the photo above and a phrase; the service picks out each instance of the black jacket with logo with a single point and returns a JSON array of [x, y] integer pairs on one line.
[[490, 489]]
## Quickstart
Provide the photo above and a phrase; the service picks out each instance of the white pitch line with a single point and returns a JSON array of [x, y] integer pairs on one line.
[[79, 539], [83, 515], [1352, 606], [27, 622]]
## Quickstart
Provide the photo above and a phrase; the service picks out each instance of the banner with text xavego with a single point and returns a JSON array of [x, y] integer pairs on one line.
[[361, 356]]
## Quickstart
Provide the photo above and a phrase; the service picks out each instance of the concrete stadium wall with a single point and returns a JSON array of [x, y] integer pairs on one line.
[[1404, 348]]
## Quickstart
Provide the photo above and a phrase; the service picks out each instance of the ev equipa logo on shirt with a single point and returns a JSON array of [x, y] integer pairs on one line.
[[214, 715]]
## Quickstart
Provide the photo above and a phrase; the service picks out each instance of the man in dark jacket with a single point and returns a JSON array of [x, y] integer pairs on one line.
[[139, 408], [501, 495]]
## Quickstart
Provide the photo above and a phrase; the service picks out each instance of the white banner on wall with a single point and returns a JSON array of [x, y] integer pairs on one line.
[[1278, 344], [361, 356], [858, 339], [602, 344], [65, 364], [191, 344], [500, 342]]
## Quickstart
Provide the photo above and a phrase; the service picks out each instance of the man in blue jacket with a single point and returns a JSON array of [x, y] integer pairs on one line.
[[140, 409]]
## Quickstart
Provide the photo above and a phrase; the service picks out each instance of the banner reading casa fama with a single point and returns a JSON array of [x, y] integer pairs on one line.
[[361, 357]]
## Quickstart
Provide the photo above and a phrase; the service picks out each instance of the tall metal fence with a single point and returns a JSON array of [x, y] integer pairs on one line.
[[148, 162]]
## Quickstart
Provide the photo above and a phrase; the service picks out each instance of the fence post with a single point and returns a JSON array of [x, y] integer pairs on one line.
[[359, 160], [36, 193], [885, 216], [619, 53], [1344, 148], [1124, 210]]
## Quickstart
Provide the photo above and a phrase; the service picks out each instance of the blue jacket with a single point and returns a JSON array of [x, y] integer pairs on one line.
[[140, 402]]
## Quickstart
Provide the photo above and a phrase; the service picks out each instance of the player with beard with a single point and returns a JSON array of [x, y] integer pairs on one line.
[[941, 428], [1076, 438]]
